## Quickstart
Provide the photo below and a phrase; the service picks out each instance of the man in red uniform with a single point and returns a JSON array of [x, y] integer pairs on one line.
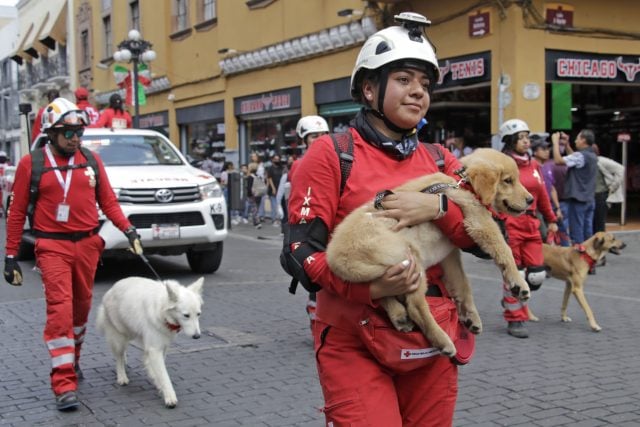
[[115, 116], [392, 78], [523, 232], [68, 246], [82, 101]]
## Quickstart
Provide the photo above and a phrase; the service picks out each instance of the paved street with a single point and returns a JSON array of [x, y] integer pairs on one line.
[[254, 364]]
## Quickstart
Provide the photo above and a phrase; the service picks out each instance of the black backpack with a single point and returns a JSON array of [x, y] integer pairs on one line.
[[37, 169]]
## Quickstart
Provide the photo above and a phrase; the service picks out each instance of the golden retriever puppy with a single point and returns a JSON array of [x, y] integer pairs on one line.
[[572, 265], [363, 246]]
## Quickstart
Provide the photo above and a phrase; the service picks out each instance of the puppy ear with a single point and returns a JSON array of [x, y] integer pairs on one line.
[[484, 180], [197, 286], [172, 291]]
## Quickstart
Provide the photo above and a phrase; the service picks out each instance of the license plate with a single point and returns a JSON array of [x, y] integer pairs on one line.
[[165, 231]]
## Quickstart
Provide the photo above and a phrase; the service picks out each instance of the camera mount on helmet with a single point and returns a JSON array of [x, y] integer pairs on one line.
[[414, 23]]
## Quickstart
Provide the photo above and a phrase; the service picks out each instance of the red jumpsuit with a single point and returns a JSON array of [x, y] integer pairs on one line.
[[523, 232], [93, 113], [67, 267], [357, 388], [111, 118]]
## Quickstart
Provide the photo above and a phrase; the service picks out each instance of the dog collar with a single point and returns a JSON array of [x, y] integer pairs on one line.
[[172, 327], [585, 255]]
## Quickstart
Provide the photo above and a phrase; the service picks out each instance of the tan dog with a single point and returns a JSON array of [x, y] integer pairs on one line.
[[363, 246], [572, 265]]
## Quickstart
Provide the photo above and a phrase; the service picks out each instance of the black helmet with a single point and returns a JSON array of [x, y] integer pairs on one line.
[[115, 101]]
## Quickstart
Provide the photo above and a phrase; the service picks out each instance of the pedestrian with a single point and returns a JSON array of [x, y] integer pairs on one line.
[[273, 175], [115, 117], [609, 189], [393, 75], [559, 173], [227, 169], [4, 162], [540, 150], [523, 232], [82, 101], [208, 165], [37, 123], [253, 200], [580, 186], [68, 246]]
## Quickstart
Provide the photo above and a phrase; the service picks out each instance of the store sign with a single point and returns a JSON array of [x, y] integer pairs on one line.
[[559, 14], [480, 23], [577, 66], [464, 70], [269, 101], [155, 120], [624, 137]]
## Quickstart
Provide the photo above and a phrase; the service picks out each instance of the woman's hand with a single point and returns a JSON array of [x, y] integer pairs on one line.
[[553, 227], [399, 279], [409, 208]]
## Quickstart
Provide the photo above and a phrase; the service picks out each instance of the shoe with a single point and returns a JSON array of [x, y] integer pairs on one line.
[[258, 226], [517, 329], [79, 373], [276, 223], [234, 222], [245, 221], [67, 401]]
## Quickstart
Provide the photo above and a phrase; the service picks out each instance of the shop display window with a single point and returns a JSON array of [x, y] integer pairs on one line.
[[205, 139], [274, 135]]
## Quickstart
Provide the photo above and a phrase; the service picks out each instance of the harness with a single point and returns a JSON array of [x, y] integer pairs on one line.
[[584, 255], [38, 168]]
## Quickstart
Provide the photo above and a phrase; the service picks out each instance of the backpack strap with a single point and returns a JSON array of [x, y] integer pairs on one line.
[[343, 144], [37, 169], [435, 150]]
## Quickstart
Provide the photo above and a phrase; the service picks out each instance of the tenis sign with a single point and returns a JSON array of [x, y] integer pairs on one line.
[[464, 70], [578, 66]]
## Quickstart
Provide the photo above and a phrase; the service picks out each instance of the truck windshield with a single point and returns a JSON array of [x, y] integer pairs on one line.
[[131, 150]]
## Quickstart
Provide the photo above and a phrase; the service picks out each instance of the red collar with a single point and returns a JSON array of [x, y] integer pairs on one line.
[[584, 255], [469, 188], [172, 327]]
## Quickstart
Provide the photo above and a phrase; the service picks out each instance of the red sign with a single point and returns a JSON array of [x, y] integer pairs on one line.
[[624, 137], [265, 103], [479, 23], [560, 15]]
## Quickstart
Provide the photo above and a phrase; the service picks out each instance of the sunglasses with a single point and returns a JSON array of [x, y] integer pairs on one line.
[[68, 133]]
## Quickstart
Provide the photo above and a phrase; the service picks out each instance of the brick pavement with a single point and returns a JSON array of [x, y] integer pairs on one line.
[[254, 364]]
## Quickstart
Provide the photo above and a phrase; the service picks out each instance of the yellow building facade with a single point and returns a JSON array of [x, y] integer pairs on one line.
[[233, 77]]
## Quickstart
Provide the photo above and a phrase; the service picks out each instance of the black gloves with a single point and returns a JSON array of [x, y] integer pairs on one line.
[[134, 241], [12, 271]]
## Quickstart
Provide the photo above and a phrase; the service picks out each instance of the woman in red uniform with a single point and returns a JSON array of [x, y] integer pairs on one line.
[[393, 74], [523, 233]]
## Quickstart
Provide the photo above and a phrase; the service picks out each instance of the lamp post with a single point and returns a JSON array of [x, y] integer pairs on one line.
[[135, 50]]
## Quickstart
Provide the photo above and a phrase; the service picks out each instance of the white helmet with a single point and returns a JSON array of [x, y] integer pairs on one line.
[[406, 42], [311, 124], [62, 112], [513, 126]]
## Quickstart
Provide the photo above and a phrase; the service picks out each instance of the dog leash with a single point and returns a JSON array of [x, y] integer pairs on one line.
[[146, 261]]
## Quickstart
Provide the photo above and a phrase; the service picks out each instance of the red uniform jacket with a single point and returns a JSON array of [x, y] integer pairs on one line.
[[315, 192], [111, 118], [83, 214]]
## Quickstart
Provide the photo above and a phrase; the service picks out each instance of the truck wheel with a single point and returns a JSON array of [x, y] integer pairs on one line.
[[205, 262]]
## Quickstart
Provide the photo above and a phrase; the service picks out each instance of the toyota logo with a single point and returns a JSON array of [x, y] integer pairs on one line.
[[164, 195]]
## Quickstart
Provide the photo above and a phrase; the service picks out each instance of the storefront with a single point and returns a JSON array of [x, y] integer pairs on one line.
[[461, 101], [600, 92], [155, 121], [267, 123], [202, 130], [334, 102]]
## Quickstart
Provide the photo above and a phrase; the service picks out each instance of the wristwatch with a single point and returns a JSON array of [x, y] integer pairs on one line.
[[443, 205]]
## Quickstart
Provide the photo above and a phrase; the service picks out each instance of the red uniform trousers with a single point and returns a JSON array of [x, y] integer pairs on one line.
[[68, 269], [359, 391], [526, 245]]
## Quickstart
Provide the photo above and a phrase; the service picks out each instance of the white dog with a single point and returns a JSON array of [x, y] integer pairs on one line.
[[151, 313]]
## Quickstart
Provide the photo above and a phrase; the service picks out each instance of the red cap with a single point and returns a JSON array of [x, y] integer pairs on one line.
[[82, 93]]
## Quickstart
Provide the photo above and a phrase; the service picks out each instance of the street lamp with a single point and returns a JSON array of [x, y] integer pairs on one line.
[[134, 49]]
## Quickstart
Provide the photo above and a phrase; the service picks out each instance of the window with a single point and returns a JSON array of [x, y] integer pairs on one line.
[[85, 55], [207, 10], [134, 12], [108, 44], [180, 17]]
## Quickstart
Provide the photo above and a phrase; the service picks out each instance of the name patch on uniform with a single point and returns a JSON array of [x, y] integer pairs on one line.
[[418, 353]]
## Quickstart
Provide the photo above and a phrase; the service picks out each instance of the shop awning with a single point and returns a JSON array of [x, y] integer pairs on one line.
[[55, 27], [339, 109], [41, 27]]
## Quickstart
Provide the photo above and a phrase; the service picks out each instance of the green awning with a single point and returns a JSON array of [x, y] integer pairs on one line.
[[339, 109]]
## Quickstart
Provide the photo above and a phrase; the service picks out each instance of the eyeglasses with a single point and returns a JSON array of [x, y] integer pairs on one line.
[[68, 133]]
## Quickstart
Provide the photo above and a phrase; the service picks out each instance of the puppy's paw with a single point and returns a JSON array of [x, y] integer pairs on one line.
[[403, 324], [596, 328], [448, 350], [566, 319], [170, 400], [124, 380], [474, 325]]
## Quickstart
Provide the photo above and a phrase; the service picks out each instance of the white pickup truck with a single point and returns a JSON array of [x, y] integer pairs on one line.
[[175, 207]]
